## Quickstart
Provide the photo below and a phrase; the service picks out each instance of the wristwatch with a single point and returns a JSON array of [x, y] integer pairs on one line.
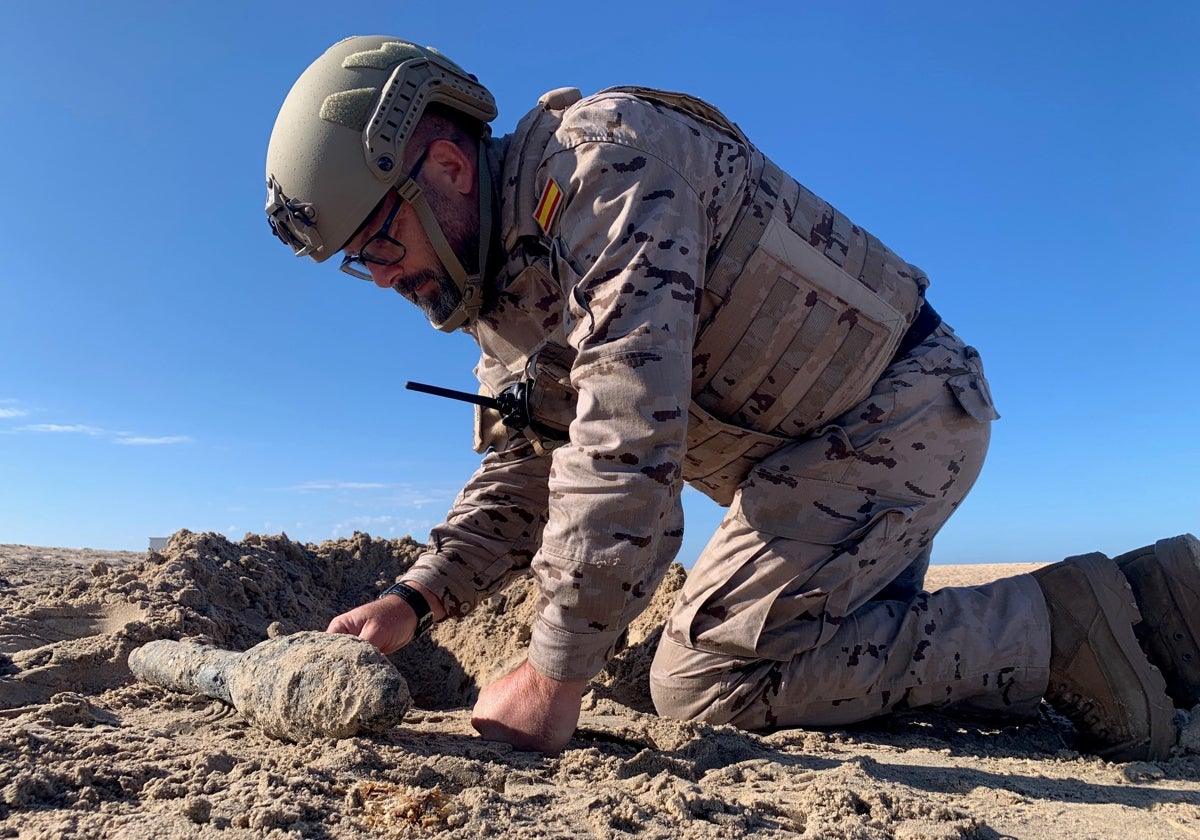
[[415, 600]]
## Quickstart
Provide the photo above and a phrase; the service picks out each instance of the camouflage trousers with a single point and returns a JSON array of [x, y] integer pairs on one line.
[[807, 607]]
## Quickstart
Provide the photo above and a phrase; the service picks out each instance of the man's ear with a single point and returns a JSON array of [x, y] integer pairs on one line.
[[450, 168]]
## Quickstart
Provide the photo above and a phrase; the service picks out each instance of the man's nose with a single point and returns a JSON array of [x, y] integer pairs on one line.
[[381, 274]]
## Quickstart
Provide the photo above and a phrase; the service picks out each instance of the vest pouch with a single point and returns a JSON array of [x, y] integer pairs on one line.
[[551, 398], [720, 456], [490, 432], [538, 409], [537, 385], [795, 341]]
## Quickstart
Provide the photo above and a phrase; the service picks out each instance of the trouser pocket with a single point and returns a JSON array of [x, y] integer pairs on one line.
[[792, 558], [972, 391]]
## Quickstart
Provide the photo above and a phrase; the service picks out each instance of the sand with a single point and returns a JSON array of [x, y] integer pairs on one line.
[[86, 751]]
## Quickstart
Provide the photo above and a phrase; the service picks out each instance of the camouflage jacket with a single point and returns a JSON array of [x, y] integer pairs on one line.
[[618, 213]]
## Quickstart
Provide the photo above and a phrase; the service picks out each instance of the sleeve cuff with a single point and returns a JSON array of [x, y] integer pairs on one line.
[[435, 573], [569, 656]]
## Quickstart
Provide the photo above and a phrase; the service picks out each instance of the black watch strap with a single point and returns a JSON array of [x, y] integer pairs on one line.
[[415, 600]]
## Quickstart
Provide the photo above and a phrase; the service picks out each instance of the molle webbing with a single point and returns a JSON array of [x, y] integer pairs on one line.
[[802, 309], [747, 229], [795, 337], [720, 455], [690, 105]]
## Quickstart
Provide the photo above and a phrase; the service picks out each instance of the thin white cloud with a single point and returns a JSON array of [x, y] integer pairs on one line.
[[62, 428], [12, 412], [419, 497], [122, 438], [337, 485], [134, 440], [392, 495], [388, 526], [364, 522]]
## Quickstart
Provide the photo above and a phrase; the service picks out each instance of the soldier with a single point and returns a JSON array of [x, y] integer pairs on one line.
[[664, 305]]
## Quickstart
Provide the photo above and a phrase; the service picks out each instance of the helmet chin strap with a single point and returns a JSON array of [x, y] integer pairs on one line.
[[470, 285]]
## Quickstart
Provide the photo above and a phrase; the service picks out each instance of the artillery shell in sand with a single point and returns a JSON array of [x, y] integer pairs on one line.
[[296, 688]]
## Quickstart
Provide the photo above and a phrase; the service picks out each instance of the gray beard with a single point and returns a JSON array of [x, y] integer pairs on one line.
[[444, 303], [463, 238]]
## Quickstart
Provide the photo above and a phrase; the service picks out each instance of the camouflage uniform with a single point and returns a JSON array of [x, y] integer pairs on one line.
[[806, 606]]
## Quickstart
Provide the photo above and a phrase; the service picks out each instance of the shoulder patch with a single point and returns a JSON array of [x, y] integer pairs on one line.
[[547, 209]]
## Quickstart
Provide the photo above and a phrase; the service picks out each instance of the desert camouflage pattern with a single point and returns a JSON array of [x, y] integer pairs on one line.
[[806, 607], [626, 287]]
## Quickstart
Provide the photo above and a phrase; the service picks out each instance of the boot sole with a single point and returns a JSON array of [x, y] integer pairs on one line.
[[1119, 611], [1165, 579]]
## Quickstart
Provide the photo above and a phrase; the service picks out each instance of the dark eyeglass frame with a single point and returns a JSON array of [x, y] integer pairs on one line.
[[357, 265]]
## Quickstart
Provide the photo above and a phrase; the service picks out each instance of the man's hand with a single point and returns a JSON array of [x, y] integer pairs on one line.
[[529, 710], [388, 624]]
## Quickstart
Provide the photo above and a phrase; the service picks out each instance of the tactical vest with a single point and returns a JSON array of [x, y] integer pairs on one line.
[[801, 310]]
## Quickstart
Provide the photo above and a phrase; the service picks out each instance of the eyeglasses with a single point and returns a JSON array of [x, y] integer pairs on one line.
[[381, 249]]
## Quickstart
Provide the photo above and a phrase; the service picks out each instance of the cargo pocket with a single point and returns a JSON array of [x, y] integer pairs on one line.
[[719, 455], [972, 391], [803, 556], [816, 512]]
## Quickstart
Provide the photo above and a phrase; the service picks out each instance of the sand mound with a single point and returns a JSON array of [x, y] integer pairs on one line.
[[86, 752]]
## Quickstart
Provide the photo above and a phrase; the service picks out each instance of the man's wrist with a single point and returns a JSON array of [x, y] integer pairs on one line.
[[417, 601], [435, 603], [553, 685]]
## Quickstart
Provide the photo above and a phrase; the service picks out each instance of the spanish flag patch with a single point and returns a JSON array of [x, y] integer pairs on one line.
[[548, 207]]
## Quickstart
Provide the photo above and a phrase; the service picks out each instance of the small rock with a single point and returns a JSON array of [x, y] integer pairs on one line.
[[1189, 730], [1142, 771], [197, 809], [190, 596]]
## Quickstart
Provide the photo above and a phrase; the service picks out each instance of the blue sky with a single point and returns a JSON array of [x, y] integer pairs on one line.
[[165, 364]]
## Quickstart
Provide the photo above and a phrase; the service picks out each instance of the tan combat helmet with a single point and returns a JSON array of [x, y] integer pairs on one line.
[[339, 140]]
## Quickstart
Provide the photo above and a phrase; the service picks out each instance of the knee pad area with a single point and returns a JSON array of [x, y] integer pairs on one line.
[[690, 684]]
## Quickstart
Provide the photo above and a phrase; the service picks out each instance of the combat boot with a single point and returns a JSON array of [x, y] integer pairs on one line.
[[1099, 676], [1165, 578]]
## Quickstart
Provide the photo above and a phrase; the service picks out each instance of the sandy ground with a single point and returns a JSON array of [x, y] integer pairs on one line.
[[86, 751]]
